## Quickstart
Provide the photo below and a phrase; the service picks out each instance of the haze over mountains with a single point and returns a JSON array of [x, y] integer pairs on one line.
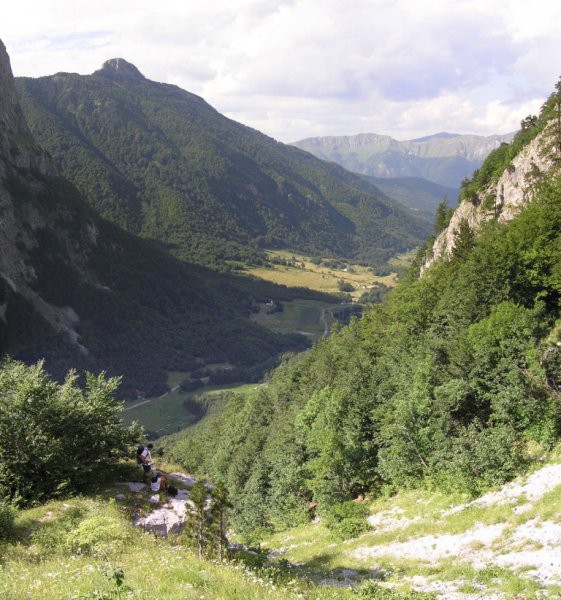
[[443, 158], [162, 163]]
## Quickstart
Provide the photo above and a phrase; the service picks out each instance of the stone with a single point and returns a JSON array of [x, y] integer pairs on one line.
[[164, 520], [134, 486]]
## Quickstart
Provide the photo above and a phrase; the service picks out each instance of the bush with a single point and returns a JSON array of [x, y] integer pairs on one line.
[[7, 514], [56, 438], [97, 535], [347, 520], [345, 286]]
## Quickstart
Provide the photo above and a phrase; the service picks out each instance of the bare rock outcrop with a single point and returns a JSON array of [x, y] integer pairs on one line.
[[501, 200]]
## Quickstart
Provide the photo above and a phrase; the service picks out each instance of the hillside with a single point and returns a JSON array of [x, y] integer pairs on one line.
[[414, 192], [442, 158], [162, 163], [82, 293], [450, 384], [81, 524], [415, 546]]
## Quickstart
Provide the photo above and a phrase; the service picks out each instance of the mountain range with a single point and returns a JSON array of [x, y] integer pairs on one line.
[[81, 292], [443, 158], [162, 163]]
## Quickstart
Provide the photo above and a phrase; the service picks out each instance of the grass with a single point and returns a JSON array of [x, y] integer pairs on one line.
[[316, 553], [307, 317], [319, 277], [167, 414], [86, 547], [48, 557]]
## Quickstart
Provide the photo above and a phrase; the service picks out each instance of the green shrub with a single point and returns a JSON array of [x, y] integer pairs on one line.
[[7, 514], [97, 535], [57, 438], [347, 520], [370, 590]]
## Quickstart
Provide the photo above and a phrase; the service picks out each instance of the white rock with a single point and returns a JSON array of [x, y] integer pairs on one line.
[[134, 486]]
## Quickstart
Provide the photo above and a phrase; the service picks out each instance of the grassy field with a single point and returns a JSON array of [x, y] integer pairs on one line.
[[308, 317], [86, 548], [168, 414], [319, 277]]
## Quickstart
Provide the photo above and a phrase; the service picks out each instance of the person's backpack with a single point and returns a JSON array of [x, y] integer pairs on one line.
[[172, 490], [139, 452]]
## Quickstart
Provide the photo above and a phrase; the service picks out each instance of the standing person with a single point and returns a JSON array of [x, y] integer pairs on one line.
[[144, 458]]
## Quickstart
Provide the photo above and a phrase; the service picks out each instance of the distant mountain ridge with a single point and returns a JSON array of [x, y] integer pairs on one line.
[[163, 163], [443, 158], [415, 192]]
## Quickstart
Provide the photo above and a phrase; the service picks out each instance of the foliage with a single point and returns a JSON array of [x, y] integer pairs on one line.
[[57, 438], [371, 590], [345, 286], [445, 384], [119, 590], [7, 514], [207, 525], [97, 534], [347, 520]]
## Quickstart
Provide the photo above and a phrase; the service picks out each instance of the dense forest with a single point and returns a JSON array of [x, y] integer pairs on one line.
[[452, 382], [162, 163]]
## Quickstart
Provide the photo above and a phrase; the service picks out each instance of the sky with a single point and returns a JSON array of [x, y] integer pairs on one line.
[[302, 68]]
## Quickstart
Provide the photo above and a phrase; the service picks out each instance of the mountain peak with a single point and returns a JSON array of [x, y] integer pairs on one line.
[[120, 68]]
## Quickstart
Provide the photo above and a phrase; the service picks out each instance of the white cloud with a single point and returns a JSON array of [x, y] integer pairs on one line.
[[297, 68]]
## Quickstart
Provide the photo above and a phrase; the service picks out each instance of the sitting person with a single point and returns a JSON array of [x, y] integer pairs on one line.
[[159, 482]]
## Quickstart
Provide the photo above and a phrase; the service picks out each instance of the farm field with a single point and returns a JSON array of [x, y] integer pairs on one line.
[[307, 317], [176, 410], [322, 278]]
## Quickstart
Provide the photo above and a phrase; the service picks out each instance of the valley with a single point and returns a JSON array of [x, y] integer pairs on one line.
[[351, 388], [176, 410], [322, 274]]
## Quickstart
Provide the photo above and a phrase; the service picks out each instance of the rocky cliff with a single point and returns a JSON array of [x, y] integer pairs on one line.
[[501, 199], [22, 166]]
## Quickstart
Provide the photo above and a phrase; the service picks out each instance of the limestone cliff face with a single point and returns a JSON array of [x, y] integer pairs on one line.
[[23, 220], [501, 200], [16, 143]]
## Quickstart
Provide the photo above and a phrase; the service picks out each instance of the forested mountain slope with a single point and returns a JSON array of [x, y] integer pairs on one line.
[[83, 293], [163, 163], [452, 382], [415, 192], [443, 158]]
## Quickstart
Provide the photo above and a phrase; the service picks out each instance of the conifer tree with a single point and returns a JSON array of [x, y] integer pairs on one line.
[[198, 526], [219, 519]]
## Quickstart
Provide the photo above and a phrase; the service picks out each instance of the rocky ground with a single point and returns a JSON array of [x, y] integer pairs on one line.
[[526, 536]]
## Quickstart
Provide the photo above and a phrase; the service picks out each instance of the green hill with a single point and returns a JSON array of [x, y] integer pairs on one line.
[[162, 163], [414, 192]]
